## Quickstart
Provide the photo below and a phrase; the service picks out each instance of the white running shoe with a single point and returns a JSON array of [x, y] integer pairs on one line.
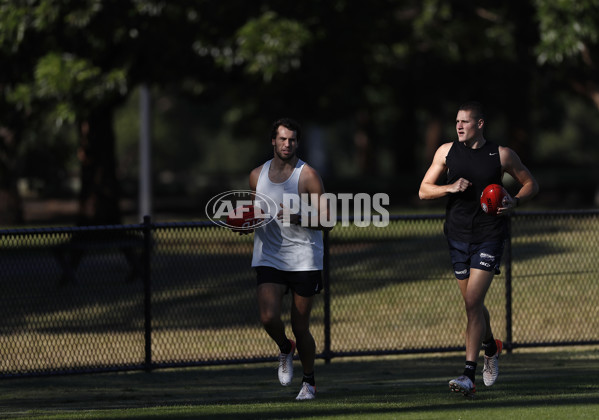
[[464, 385], [491, 367], [286, 366], [308, 392]]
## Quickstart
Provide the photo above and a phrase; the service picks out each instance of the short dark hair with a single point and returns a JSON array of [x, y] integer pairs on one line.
[[476, 108], [289, 124]]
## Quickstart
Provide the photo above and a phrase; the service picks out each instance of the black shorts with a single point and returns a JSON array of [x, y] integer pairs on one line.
[[485, 256], [304, 283]]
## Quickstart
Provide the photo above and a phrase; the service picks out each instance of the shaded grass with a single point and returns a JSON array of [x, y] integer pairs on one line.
[[557, 384]]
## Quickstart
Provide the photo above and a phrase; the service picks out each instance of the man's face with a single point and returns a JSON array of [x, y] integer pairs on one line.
[[285, 144], [467, 127]]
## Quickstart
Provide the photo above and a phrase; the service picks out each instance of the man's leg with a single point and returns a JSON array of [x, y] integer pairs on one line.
[[306, 347], [474, 290], [492, 349], [300, 323], [488, 330], [270, 296]]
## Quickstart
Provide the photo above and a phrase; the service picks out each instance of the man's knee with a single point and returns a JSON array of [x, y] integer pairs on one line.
[[268, 317], [474, 306]]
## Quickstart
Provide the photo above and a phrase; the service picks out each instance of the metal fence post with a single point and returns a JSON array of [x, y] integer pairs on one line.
[[327, 300], [147, 233], [508, 286]]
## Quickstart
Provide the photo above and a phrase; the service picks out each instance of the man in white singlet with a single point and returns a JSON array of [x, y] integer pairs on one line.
[[288, 251]]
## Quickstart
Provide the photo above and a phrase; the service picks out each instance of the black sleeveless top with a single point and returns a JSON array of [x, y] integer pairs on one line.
[[465, 221]]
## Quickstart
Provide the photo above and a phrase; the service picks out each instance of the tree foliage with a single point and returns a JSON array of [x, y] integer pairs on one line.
[[388, 70], [569, 41]]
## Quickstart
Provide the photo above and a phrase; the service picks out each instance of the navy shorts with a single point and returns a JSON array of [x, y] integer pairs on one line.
[[485, 256], [304, 283]]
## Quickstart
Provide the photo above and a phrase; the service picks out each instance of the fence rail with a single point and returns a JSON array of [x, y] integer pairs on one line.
[[153, 295]]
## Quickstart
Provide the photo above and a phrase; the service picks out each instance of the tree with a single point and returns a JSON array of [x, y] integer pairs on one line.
[[19, 110], [76, 61], [46, 76], [390, 69], [569, 40]]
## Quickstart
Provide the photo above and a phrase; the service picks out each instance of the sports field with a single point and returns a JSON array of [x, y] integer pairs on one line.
[[560, 383]]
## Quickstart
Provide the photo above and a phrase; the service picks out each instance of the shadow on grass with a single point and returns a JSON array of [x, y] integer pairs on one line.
[[357, 387], [202, 281]]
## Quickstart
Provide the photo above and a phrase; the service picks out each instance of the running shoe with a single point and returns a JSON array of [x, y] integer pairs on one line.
[[286, 366], [491, 367], [308, 392], [464, 385]]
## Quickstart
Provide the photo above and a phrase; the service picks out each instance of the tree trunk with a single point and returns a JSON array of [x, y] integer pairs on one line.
[[520, 80], [100, 193], [11, 206]]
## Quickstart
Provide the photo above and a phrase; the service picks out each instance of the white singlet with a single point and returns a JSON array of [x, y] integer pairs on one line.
[[287, 248]]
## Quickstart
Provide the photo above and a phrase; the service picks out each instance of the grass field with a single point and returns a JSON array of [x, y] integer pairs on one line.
[[557, 384], [391, 289]]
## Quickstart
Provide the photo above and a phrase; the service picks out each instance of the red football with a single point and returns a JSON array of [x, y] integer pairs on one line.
[[492, 198], [246, 217]]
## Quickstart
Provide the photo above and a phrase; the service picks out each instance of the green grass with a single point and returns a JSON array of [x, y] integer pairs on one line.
[[390, 289], [556, 384]]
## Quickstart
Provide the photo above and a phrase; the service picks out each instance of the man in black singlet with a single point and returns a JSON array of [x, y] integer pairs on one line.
[[475, 238]]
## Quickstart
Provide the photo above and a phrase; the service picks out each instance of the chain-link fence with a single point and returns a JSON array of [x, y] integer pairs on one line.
[[183, 294]]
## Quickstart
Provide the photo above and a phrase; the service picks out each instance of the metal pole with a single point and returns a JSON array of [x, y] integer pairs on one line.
[[327, 299], [147, 259], [508, 287], [145, 184]]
